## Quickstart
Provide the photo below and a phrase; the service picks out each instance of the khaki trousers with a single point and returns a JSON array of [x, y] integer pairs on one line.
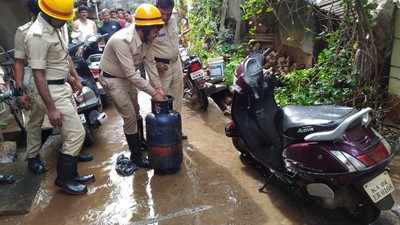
[[125, 97], [34, 121], [72, 131], [172, 83], [34, 117]]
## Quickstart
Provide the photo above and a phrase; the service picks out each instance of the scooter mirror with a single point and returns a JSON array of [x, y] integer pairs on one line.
[[92, 38], [252, 73], [74, 41]]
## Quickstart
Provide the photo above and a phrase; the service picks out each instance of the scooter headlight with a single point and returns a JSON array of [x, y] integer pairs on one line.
[[86, 93]]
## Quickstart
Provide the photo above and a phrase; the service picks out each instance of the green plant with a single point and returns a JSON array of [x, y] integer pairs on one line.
[[204, 18], [252, 8], [332, 80], [347, 71], [207, 41], [230, 67]]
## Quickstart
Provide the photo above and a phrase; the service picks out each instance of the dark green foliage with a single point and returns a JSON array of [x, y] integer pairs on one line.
[[332, 80]]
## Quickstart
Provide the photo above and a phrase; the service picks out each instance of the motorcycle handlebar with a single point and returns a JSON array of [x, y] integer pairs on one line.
[[74, 47], [8, 95], [267, 52]]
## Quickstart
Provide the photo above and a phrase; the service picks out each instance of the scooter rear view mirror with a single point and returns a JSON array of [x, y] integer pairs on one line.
[[92, 38], [252, 73]]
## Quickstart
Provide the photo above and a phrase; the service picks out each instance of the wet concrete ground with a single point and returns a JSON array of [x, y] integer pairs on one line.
[[213, 187]]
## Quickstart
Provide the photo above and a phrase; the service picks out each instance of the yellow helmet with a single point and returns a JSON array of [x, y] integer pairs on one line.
[[147, 15], [58, 9]]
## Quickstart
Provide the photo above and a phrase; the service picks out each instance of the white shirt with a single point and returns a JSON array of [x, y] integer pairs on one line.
[[84, 29]]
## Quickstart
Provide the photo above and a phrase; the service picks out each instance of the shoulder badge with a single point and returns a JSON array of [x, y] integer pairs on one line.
[[25, 27]]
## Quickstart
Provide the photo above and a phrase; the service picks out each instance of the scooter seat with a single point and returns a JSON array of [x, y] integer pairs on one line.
[[299, 121]]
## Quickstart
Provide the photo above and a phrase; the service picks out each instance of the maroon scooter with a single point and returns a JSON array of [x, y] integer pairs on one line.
[[329, 153]]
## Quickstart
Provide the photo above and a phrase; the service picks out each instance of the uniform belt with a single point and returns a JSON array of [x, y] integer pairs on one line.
[[161, 60], [105, 74], [166, 61], [56, 82]]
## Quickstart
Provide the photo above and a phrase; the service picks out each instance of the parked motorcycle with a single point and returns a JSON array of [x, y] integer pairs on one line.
[[194, 79], [93, 56], [10, 93], [327, 153], [88, 102], [5, 96], [86, 57]]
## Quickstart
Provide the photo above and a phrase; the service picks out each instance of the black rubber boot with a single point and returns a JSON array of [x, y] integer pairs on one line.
[[84, 157], [84, 179], [142, 140], [36, 165], [66, 171], [137, 156]]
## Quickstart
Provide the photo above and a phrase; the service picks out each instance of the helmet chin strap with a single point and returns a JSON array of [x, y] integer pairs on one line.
[[52, 21], [144, 35]]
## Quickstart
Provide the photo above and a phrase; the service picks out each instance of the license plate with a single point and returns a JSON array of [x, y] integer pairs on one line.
[[83, 119], [197, 75], [379, 187]]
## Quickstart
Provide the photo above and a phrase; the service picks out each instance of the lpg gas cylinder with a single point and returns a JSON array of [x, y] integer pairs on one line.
[[164, 137]]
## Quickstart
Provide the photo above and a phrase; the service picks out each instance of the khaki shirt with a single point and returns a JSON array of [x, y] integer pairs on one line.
[[19, 45], [166, 44], [122, 55], [46, 49]]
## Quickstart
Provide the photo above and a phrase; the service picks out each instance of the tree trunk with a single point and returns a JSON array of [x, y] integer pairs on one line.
[[224, 10]]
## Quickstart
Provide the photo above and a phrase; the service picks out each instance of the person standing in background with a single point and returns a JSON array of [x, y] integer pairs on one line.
[[128, 18], [114, 15], [166, 53], [109, 26], [83, 27], [121, 17]]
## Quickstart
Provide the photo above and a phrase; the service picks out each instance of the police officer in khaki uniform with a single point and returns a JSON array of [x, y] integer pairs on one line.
[[124, 51], [47, 55], [30, 100], [166, 53]]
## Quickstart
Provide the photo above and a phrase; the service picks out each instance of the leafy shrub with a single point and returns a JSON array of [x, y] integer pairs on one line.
[[331, 81]]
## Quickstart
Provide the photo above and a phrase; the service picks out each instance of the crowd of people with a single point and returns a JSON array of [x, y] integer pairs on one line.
[[147, 37], [110, 21]]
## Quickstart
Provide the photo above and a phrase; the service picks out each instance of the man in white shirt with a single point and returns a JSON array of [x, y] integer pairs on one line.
[[83, 27]]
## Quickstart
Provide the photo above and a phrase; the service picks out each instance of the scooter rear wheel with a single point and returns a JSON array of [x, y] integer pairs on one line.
[[366, 213], [203, 99]]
